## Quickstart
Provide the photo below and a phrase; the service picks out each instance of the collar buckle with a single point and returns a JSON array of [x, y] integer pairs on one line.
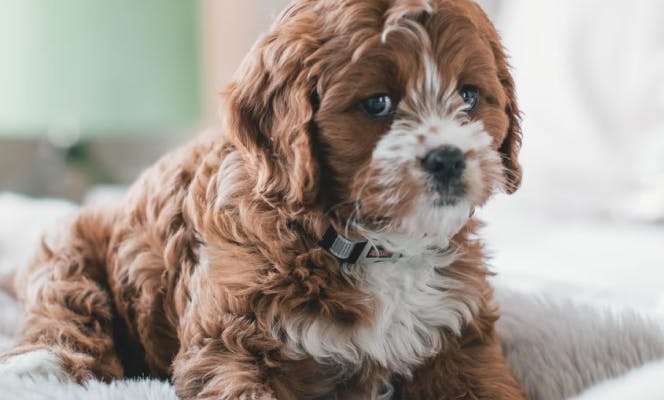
[[342, 247], [352, 252]]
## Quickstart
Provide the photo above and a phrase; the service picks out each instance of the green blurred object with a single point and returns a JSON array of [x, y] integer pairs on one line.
[[97, 67]]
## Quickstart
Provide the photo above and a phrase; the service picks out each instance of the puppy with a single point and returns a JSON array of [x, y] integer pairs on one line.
[[323, 246]]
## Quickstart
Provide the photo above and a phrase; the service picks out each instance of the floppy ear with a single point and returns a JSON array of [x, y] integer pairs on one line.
[[509, 149], [270, 111], [511, 146]]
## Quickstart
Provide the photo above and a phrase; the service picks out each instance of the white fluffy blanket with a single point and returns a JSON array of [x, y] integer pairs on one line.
[[51, 389], [557, 349]]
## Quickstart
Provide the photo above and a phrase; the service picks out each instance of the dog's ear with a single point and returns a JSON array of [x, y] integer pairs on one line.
[[511, 145], [270, 109], [509, 149]]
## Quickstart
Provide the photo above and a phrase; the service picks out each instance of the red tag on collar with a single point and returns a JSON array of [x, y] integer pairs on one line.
[[379, 252]]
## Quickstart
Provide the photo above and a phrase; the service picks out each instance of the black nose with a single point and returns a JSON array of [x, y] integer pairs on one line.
[[446, 164]]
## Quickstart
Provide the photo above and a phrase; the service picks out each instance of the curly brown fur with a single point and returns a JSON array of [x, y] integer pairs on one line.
[[209, 271]]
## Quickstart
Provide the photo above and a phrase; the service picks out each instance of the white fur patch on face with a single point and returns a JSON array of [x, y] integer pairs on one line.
[[39, 363], [414, 307], [432, 118], [410, 140]]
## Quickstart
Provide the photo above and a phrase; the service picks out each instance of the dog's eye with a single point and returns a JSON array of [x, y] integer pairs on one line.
[[379, 106], [470, 96]]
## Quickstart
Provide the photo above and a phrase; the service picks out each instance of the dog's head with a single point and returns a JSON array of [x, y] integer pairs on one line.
[[399, 116]]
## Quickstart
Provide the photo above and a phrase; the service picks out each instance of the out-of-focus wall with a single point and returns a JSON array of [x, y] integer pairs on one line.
[[91, 91], [228, 30], [590, 78], [91, 68]]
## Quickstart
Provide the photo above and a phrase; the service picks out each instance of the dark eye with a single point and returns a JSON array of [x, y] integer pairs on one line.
[[379, 106], [470, 96]]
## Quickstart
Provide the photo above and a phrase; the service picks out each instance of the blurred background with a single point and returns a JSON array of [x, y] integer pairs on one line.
[[93, 91]]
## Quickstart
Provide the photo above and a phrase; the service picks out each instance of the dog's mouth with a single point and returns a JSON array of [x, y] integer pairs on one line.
[[447, 195], [434, 199], [446, 202]]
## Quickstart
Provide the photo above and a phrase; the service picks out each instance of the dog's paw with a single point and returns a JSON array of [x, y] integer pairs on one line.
[[38, 363]]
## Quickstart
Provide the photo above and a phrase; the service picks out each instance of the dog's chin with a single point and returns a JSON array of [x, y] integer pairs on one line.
[[447, 196], [428, 226]]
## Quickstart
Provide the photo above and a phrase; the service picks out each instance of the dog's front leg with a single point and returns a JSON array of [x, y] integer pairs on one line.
[[222, 360], [68, 332]]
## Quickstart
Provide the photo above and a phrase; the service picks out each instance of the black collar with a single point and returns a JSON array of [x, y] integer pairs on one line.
[[351, 252]]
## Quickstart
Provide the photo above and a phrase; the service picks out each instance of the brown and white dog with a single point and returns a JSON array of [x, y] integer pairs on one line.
[[323, 246]]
